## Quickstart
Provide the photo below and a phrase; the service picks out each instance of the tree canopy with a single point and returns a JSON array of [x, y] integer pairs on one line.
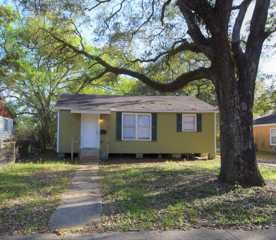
[[33, 74]]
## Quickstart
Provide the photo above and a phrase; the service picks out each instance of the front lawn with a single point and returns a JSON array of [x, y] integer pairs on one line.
[[29, 193], [181, 195]]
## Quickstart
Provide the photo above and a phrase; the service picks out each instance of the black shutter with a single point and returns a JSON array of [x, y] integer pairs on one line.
[[119, 126], [179, 122], [199, 122], [154, 126]]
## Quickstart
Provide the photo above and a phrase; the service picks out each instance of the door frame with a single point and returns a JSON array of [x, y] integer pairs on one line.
[[96, 119]]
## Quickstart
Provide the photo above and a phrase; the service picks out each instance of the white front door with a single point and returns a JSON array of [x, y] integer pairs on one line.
[[90, 131]]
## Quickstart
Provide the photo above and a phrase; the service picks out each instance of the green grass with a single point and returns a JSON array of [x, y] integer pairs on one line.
[[181, 195], [29, 193]]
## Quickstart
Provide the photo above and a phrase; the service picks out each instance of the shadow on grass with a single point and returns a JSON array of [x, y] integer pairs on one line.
[[248, 209], [191, 194], [27, 217], [157, 188]]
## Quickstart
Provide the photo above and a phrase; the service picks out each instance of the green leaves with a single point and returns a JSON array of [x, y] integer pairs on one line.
[[35, 69], [265, 96], [7, 15]]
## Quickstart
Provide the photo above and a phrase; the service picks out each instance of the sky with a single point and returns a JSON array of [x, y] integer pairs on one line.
[[268, 65]]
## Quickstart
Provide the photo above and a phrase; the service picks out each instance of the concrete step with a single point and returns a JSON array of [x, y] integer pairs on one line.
[[89, 155]]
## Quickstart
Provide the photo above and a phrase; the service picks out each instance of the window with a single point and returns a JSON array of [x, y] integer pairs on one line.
[[189, 123], [1, 124], [129, 126], [136, 126], [144, 127], [10, 125], [6, 125], [273, 136]]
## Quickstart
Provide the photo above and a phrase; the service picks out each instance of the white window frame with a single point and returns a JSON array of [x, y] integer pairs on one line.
[[6, 125], [271, 143], [9, 122], [136, 126], [195, 122]]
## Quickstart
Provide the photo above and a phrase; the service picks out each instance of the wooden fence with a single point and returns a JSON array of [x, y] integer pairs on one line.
[[7, 152]]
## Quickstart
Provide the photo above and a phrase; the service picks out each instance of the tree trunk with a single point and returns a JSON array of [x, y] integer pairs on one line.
[[238, 153]]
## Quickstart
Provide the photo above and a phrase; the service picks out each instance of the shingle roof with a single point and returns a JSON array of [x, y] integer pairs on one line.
[[268, 119], [107, 103]]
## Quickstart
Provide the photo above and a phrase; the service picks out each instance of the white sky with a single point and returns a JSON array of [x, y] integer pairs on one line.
[[267, 63]]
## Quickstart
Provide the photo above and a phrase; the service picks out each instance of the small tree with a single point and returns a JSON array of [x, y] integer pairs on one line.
[[265, 95], [34, 75]]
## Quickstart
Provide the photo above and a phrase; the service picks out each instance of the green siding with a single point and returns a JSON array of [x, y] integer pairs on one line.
[[168, 139], [69, 130], [104, 149]]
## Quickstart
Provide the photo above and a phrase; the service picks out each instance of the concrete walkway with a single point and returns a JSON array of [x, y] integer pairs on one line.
[[198, 234], [82, 203]]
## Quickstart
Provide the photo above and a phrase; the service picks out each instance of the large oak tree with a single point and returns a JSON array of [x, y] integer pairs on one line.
[[213, 30]]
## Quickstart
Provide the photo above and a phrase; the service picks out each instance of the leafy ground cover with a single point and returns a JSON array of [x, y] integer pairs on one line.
[[181, 195], [29, 193]]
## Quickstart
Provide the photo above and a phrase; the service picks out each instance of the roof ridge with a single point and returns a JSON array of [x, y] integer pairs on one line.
[[93, 102]]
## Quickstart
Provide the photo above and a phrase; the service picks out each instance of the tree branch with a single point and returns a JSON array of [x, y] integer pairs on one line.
[[165, 5], [202, 11], [194, 31], [223, 9], [177, 84], [257, 29], [239, 21], [146, 21], [89, 80], [184, 46], [236, 38], [97, 4]]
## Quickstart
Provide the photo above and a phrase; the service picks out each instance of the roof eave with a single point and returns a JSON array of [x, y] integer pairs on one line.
[[80, 111], [133, 110], [90, 112], [169, 111]]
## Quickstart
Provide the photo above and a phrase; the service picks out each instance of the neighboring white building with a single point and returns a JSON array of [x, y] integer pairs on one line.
[[6, 121], [6, 128]]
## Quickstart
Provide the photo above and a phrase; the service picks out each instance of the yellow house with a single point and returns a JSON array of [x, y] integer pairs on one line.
[[265, 133], [96, 126]]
